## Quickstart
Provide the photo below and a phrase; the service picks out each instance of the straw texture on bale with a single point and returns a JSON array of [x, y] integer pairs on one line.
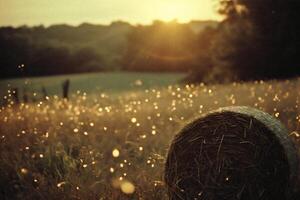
[[234, 153]]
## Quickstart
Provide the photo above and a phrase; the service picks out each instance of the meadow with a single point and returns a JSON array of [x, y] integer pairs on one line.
[[105, 146], [112, 82]]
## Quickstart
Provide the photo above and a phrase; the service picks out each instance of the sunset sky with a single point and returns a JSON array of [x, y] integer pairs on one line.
[[35, 12]]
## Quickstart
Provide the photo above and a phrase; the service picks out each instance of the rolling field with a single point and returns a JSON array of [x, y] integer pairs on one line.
[[112, 82], [101, 145]]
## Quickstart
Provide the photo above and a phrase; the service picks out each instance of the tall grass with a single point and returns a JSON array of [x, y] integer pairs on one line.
[[114, 147]]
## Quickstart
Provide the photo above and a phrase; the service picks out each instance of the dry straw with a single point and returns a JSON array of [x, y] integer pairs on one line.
[[229, 154]]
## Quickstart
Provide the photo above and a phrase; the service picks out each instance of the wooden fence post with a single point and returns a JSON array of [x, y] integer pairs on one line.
[[65, 88]]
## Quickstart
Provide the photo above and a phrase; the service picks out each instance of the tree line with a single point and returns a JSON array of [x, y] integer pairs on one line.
[[257, 39], [64, 49], [19, 57]]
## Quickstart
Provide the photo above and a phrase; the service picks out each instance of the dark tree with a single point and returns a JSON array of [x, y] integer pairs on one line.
[[203, 71], [260, 38], [15, 52]]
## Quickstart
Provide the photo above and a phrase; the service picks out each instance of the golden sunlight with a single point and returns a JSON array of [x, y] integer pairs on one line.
[[170, 11], [35, 12], [184, 11]]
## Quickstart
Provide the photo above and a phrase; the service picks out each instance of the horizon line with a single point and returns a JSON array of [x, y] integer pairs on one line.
[[108, 23]]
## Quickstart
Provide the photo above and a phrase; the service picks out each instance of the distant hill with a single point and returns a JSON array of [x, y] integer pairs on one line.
[[107, 41], [198, 26], [94, 47]]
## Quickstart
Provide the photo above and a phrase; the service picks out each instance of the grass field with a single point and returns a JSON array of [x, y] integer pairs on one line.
[[103, 146], [112, 82]]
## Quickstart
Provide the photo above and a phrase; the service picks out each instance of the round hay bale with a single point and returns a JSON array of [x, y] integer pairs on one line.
[[232, 153]]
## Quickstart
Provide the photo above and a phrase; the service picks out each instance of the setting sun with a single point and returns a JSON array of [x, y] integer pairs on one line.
[[171, 11], [184, 11]]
